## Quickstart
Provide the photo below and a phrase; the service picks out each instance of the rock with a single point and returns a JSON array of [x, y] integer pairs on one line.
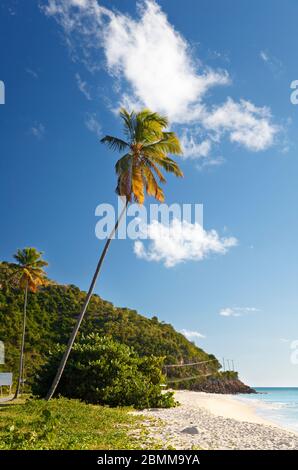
[[231, 386], [190, 430]]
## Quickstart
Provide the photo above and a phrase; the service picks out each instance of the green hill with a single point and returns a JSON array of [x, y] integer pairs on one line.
[[52, 312]]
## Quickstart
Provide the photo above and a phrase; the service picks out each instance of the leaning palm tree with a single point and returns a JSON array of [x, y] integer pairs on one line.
[[146, 148], [30, 275]]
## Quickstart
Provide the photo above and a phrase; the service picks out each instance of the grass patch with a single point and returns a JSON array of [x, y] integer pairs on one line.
[[69, 424]]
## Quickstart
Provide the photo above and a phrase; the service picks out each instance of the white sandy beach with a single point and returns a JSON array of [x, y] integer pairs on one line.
[[213, 421]]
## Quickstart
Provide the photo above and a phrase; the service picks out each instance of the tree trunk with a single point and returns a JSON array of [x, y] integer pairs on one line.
[[85, 306], [22, 344]]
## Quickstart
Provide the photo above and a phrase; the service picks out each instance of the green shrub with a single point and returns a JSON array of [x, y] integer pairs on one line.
[[102, 371]]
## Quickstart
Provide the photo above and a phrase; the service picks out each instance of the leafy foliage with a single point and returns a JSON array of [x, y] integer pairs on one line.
[[67, 424], [102, 371], [29, 269], [147, 148], [51, 314]]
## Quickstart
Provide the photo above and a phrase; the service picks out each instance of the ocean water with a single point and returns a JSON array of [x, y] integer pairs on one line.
[[279, 405]]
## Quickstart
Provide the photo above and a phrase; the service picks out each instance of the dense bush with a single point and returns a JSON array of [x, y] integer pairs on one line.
[[102, 371]]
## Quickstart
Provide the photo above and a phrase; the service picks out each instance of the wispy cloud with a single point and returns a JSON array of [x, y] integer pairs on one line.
[[193, 145], [83, 86], [32, 73], [192, 335], [237, 311], [138, 49], [264, 56], [37, 130], [11, 7], [275, 65], [179, 242], [93, 124], [210, 162]]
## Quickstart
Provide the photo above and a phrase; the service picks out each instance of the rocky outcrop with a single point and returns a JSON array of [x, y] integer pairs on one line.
[[215, 385]]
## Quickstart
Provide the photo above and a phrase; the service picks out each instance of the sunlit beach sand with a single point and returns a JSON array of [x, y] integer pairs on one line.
[[214, 421]]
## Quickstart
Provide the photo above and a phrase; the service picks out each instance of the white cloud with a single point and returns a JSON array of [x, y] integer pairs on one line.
[[198, 147], [37, 130], [80, 3], [192, 334], [154, 66], [237, 311], [93, 124], [151, 45], [193, 146], [179, 242], [244, 123], [82, 86]]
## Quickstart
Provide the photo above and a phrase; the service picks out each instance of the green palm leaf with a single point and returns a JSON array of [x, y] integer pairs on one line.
[[114, 143], [149, 147]]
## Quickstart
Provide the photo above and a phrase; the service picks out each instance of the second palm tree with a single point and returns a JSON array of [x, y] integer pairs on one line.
[[30, 275]]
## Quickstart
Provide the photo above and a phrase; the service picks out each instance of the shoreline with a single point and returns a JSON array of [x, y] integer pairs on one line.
[[214, 422], [224, 405]]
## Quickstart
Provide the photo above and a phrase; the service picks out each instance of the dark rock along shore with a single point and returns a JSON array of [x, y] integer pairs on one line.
[[232, 386]]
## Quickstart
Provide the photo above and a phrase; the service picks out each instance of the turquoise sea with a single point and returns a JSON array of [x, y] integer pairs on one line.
[[279, 405]]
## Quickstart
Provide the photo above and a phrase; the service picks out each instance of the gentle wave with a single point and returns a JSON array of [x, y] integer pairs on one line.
[[278, 405]]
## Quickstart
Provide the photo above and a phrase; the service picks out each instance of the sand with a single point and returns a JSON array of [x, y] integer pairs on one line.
[[213, 422]]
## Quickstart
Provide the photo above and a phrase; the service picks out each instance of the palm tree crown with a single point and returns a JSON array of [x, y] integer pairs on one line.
[[147, 145], [30, 268]]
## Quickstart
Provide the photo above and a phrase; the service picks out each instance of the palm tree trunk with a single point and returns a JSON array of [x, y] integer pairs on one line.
[[85, 306], [22, 344]]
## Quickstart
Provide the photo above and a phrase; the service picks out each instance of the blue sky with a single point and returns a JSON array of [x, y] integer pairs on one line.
[[222, 72]]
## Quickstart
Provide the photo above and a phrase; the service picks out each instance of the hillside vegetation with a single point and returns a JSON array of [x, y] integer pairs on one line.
[[51, 315]]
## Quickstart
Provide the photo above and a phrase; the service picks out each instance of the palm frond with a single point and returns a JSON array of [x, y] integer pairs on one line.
[[152, 187], [123, 163], [166, 163], [114, 143], [151, 164], [124, 184], [169, 143], [29, 269], [129, 123], [172, 143], [137, 184], [149, 126]]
